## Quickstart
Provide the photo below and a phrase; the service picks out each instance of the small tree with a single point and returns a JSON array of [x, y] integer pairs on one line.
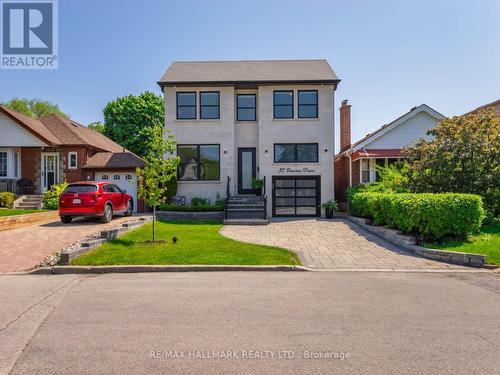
[[463, 157], [153, 179], [97, 126]]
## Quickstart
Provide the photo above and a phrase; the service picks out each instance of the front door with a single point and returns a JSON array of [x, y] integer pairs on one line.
[[247, 169], [50, 170]]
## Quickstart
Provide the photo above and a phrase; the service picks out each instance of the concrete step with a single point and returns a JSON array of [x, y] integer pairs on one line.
[[247, 209], [27, 205], [245, 215], [246, 222]]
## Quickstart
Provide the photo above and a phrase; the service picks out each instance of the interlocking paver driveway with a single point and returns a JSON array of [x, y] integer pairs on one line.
[[324, 244], [23, 248]]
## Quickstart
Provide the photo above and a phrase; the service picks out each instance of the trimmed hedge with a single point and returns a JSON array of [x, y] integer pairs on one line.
[[7, 199], [434, 216], [200, 208]]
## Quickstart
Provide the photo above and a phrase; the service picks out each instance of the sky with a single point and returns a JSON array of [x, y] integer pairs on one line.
[[389, 55]]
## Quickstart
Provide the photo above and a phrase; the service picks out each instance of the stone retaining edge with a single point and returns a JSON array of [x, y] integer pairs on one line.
[[408, 243], [61, 270], [16, 221], [106, 235]]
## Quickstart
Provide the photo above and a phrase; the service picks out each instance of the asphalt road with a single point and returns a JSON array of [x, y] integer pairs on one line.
[[254, 322]]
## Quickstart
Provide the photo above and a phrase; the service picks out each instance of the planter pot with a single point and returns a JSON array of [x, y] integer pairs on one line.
[[258, 192], [329, 213]]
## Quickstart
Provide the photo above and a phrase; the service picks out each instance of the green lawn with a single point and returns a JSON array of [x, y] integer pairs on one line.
[[197, 243], [11, 212], [487, 242]]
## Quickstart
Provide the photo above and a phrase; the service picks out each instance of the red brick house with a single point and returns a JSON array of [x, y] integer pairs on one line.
[[38, 153], [355, 163]]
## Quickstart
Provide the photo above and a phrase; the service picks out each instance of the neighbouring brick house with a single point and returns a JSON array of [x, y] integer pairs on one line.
[[38, 153], [494, 105], [355, 163]]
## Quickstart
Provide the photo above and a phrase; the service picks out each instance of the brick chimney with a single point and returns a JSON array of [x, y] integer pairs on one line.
[[345, 126]]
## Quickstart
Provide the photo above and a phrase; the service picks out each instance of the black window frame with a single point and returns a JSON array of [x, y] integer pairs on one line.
[[296, 154], [185, 106], [198, 169], [283, 105], [254, 107], [209, 105], [307, 105]]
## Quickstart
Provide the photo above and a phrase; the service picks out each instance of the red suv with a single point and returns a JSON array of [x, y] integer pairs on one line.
[[94, 199]]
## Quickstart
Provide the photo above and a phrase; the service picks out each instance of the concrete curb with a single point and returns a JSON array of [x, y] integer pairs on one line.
[[408, 243], [64, 270]]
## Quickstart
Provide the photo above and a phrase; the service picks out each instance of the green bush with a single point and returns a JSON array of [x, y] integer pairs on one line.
[[191, 208], [51, 197], [200, 202], [7, 199], [171, 186], [433, 216]]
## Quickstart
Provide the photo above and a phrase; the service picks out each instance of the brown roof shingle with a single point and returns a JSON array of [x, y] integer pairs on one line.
[[114, 160], [249, 71], [56, 130]]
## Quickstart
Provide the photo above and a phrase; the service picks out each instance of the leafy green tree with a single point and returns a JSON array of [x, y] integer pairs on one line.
[[130, 120], [154, 178], [463, 157], [34, 107], [97, 126]]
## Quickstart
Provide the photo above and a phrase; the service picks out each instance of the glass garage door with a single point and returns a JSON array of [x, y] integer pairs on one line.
[[296, 196]]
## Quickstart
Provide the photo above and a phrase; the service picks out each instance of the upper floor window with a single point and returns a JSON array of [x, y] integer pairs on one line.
[[72, 160], [198, 162], [296, 153], [283, 104], [186, 105], [209, 105], [308, 103], [246, 107], [116, 177], [104, 177]]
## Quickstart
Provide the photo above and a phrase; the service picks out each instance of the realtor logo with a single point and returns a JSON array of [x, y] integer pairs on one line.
[[29, 34]]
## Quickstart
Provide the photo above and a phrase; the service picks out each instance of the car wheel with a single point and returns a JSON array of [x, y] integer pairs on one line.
[[107, 215], [66, 219], [130, 208]]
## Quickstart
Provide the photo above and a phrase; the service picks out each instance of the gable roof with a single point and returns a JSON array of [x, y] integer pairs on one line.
[[494, 105], [56, 130], [248, 71], [114, 160], [388, 127]]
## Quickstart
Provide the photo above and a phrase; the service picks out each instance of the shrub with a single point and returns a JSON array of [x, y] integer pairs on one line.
[[51, 197], [177, 207], [433, 216], [200, 202], [171, 191], [7, 199]]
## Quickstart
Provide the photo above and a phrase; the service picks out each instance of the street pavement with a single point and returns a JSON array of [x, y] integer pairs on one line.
[[251, 322]]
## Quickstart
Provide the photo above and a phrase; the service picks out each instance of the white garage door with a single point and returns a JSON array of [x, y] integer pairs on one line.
[[124, 180]]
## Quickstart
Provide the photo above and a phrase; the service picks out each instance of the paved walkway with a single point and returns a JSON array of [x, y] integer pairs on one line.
[[23, 248], [326, 244]]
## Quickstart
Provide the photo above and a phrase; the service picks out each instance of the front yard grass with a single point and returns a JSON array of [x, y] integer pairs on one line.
[[487, 242], [11, 212], [197, 243]]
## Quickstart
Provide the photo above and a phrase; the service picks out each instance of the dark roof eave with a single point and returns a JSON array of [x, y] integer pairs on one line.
[[163, 84]]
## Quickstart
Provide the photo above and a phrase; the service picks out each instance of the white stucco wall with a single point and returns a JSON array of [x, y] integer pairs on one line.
[[261, 134], [14, 135], [409, 132]]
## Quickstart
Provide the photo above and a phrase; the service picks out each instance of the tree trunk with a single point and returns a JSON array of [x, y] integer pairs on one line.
[[154, 219]]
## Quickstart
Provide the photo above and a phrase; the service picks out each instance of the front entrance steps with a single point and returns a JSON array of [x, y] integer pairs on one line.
[[246, 210], [28, 202]]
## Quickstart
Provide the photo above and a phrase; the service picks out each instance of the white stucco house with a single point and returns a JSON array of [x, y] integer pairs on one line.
[[235, 121]]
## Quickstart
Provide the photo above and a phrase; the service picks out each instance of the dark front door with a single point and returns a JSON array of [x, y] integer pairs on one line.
[[296, 196], [247, 169]]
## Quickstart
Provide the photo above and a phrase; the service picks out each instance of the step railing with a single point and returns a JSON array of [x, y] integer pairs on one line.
[[228, 193], [265, 196]]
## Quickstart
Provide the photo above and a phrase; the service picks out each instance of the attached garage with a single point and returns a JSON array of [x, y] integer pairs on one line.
[[124, 180], [296, 196], [119, 169]]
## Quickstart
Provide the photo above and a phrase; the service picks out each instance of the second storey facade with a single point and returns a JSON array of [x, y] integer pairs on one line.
[[235, 122]]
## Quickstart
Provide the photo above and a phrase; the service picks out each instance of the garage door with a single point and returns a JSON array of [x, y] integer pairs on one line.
[[296, 196], [124, 180]]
